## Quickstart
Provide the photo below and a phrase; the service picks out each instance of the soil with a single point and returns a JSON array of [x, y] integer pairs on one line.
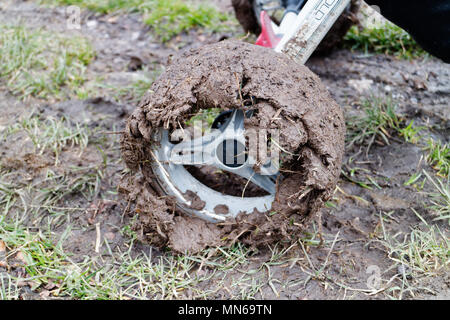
[[420, 87], [247, 18], [225, 182]]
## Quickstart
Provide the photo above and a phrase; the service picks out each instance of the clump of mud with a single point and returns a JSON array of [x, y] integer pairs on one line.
[[246, 16], [286, 95], [248, 20]]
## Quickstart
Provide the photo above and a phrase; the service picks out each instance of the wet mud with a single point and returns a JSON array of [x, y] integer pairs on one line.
[[285, 95]]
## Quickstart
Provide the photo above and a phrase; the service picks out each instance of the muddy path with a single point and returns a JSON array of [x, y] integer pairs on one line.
[[354, 225], [420, 87]]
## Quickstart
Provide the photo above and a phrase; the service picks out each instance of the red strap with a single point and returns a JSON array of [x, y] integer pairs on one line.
[[267, 38]]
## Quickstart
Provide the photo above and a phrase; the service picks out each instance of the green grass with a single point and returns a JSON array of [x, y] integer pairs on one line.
[[170, 18], [50, 270], [440, 198], [8, 290], [130, 93], [438, 156], [134, 92], [205, 116], [167, 18], [411, 133], [55, 134], [387, 39], [41, 258], [424, 252], [365, 181], [50, 134], [41, 63], [378, 119], [48, 182], [100, 6]]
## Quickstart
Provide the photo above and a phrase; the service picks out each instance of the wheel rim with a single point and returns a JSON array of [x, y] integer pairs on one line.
[[212, 150]]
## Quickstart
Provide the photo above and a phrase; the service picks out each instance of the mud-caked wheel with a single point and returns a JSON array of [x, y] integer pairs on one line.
[[247, 13], [217, 187]]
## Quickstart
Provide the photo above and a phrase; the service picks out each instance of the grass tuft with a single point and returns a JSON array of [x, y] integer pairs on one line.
[[41, 63], [49, 181], [205, 116], [422, 253], [55, 134], [170, 18], [379, 118], [411, 133], [440, 198], [439, 156], [388, 39]]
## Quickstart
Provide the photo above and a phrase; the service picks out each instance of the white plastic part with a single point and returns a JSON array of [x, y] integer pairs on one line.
[[276, 28], [311, 25], [287, 23]]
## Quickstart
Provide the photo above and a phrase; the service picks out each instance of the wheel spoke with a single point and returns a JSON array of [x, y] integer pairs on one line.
[[198, 151], [219, 149], [234, 127], [265, 182]]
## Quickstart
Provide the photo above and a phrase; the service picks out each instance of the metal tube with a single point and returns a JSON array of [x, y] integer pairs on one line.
[[312, 24]]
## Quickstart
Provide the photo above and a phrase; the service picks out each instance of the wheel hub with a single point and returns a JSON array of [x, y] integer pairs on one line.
[[223, 148]]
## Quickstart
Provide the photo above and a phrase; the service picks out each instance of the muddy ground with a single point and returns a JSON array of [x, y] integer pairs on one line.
[[353, 226]]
